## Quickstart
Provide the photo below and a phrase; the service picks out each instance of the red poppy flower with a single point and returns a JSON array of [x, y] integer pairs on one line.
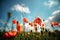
[[31, 24], [25, 20], [42, 25], [14, 33], [38, 21], [54, 23], [10, 34], [14, 21], [35, 24], [6, 35], [19, 27]]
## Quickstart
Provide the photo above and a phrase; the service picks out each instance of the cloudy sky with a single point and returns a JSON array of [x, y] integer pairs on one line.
[[46, 9]]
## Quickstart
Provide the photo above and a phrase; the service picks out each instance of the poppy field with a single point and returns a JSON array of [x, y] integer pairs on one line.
[[29, 19], [29, 31]]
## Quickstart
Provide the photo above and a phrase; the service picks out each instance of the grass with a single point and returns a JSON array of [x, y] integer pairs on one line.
[[47, 35]]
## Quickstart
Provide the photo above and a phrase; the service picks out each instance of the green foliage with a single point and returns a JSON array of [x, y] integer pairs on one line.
[[34, 36]]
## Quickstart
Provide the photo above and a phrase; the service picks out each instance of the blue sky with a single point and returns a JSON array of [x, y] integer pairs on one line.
[[42, 8]]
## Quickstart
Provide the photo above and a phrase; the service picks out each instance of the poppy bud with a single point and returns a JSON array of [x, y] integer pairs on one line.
[[14, 21], [25, 20]]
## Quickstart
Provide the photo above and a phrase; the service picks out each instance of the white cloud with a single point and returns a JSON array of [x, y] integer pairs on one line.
[[21, 8], [55, 17], [56, 12], [51, 3], [46, 21], [51, 18]]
